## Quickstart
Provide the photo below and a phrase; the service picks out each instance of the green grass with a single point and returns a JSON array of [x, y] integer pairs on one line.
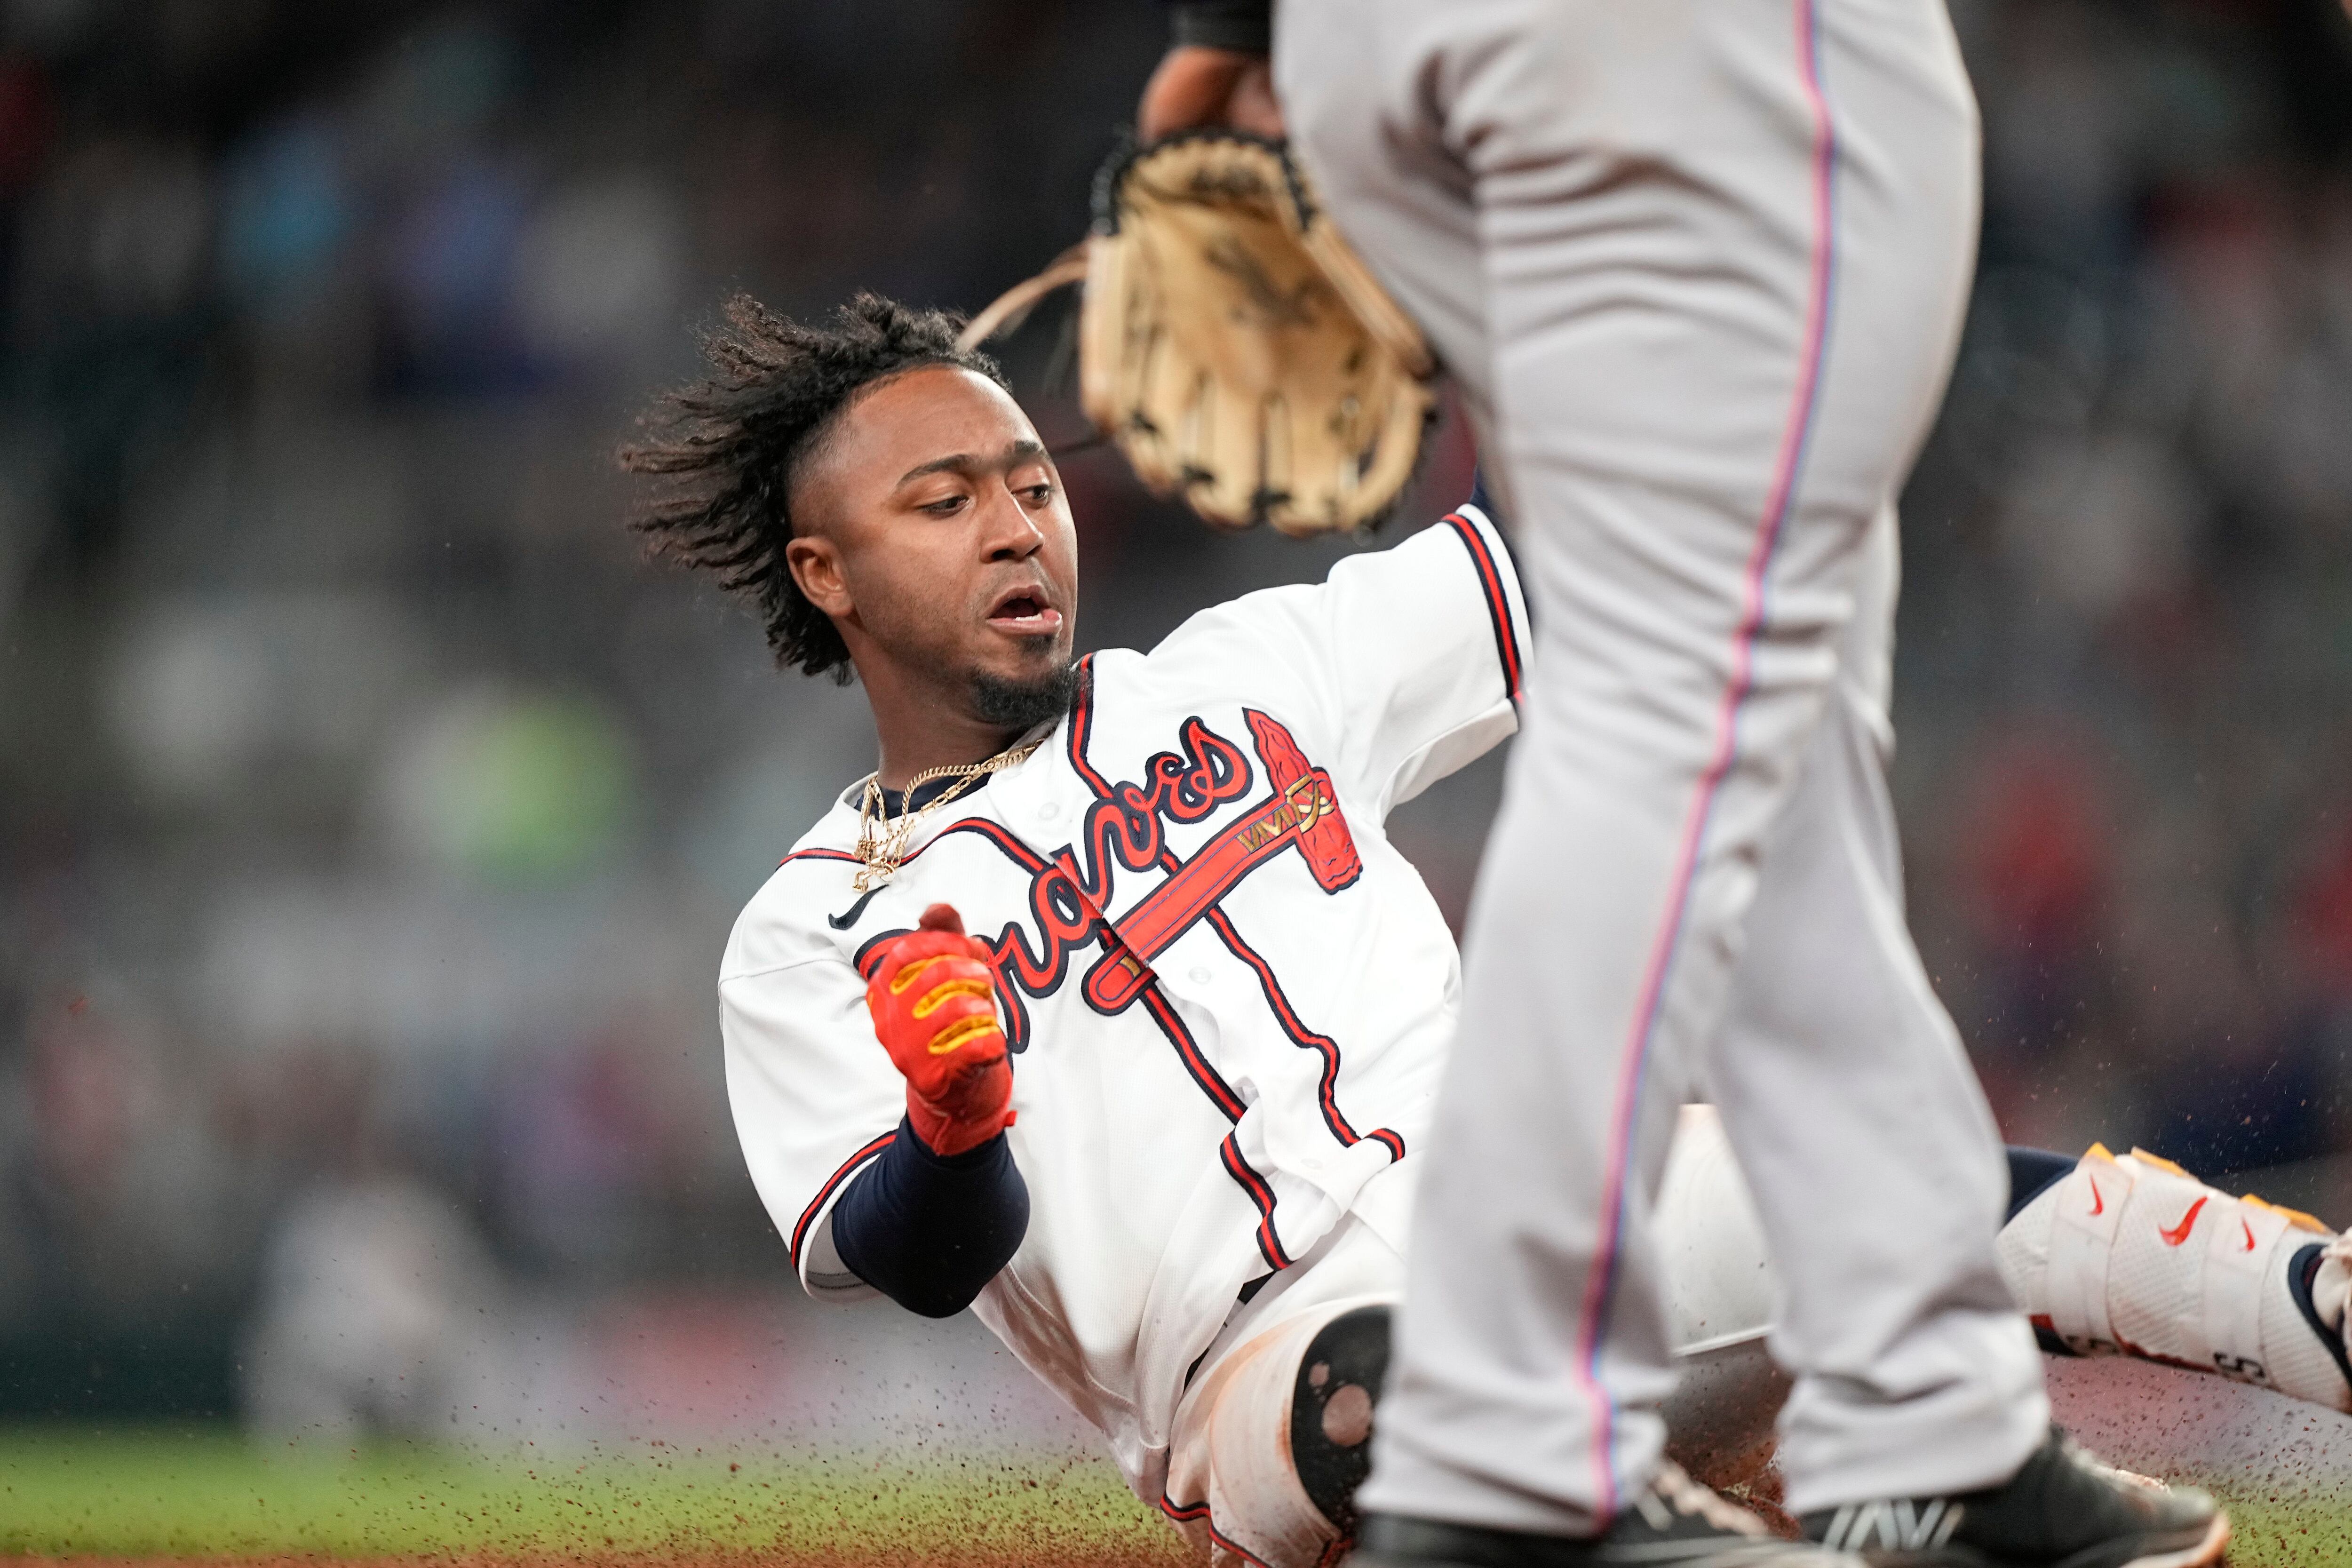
[[143, 1493], [81, 1492], [2270, 1533]]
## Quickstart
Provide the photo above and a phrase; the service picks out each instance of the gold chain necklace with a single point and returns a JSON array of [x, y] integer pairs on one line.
[[882, 842]]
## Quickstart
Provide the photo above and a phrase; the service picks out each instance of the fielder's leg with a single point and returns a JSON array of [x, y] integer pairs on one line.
[[1721, 252], [1862, 1133], [1843, 1079], [1721, 1300]]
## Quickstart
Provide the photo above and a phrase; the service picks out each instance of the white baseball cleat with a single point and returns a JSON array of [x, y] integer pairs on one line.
[[2133, 1255]]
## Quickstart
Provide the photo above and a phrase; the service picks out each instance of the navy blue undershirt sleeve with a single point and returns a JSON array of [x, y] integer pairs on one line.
[[930, 1230]]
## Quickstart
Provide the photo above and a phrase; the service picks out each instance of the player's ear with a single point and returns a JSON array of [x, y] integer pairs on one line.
[[816, 566]]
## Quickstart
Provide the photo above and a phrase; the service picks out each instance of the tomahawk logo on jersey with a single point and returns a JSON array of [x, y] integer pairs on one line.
[[1227, 995]]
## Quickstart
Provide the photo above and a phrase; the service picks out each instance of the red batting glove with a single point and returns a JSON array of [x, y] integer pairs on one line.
[[934, 1007]]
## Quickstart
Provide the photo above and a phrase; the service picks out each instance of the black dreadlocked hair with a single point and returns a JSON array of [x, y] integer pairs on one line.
[[730, 446]]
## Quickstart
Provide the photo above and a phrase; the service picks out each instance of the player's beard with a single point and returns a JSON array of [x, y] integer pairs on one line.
[[1027, 702]]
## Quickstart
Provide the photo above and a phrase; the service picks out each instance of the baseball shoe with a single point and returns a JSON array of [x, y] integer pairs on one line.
[[2064, 1510], [1673, 1523], [2132, 1253]]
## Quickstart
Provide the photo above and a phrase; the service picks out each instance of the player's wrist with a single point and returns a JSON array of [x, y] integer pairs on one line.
[[949, 1135], [968, 1157], [955, 1115], [1199, 85], [1244, 27]]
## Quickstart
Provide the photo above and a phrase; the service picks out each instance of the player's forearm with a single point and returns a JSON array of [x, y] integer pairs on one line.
[[930, 1231]]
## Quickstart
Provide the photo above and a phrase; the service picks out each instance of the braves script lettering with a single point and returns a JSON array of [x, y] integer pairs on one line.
[[1071, 891]]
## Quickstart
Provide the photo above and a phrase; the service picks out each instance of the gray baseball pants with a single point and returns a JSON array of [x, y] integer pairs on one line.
[[1699, 266]]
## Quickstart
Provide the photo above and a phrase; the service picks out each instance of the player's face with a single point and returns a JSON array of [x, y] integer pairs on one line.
[[950, 539]]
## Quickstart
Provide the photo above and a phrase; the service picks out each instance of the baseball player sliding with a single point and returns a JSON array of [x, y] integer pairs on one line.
[[1105, 1007]]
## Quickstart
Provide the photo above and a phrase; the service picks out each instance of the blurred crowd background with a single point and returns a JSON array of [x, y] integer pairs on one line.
[[372, 816]]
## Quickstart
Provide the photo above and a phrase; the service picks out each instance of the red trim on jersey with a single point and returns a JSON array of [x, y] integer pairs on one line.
[[1020, 853], [1260, 1194], [819, 855], [1342, 870], [1194, 887], [1188, 1051], [969, 824], [1334, 872], [1327, 1088], [1028, 859], [808, 1215], [1082, 717], [1302, 813], [1186, 1513], [1498, 601]]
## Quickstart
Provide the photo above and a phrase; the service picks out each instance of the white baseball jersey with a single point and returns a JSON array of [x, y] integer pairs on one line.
[[1228, 997]]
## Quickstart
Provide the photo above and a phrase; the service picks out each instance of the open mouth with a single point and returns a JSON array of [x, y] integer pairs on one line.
[[1023, 612]]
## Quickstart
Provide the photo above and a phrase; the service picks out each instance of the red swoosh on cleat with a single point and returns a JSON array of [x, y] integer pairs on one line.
[[2098, 1203], [2179, 1233], [2249, 1235]]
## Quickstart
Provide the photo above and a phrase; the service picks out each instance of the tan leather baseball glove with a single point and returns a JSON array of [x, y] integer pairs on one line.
[[1232, 345]]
